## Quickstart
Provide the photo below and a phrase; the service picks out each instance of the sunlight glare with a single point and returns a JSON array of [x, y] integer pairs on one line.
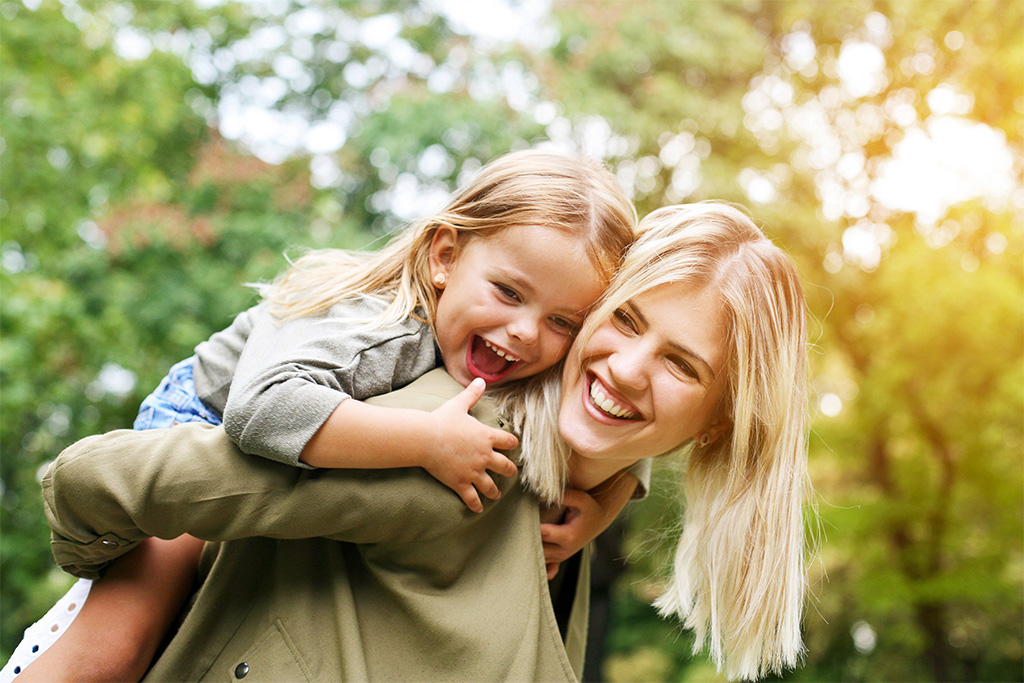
[[948, 161], [861, 68], [830, 405]]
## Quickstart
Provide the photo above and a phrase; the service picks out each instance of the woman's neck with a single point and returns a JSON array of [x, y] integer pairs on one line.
[[586, 473]]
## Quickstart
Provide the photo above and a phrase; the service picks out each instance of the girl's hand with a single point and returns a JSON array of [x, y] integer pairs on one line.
[[462, 449]]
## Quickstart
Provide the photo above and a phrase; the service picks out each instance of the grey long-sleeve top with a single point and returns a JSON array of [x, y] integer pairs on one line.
[[276, 382]]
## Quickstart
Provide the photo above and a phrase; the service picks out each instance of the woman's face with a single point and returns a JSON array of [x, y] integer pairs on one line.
[[650, 377]]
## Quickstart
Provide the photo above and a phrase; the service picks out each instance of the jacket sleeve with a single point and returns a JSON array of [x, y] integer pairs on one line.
[[292, 374], [106, 493]]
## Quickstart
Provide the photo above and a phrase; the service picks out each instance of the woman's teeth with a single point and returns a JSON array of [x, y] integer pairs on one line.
[[607, 405], [507, 356]]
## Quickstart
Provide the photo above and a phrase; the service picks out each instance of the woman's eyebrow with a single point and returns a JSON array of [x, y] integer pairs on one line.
[[637, 313], [635, 310], [692, 354]]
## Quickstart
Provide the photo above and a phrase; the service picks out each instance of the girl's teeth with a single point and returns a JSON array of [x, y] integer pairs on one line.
[[506, 356]]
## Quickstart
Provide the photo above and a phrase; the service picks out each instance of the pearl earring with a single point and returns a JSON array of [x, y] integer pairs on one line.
[[439, 279]]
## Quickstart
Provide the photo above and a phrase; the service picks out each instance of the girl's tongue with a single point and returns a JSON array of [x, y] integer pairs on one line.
[[485, 360]]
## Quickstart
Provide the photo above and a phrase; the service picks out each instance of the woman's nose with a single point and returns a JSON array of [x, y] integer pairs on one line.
[[628, 366]]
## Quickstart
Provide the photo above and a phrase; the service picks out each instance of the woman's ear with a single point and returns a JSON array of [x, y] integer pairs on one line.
[[441, 256], [714, 430]]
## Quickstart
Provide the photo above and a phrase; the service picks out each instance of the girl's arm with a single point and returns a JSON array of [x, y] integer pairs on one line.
[[132, 606], [588, 513], [298, 390], [292, 375], [449, 443]]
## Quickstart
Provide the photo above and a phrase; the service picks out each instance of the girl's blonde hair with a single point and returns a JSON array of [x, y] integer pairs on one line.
[[576, 195], [738, 577]]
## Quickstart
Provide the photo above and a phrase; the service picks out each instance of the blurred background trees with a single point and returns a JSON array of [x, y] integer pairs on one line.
[[156, 157]]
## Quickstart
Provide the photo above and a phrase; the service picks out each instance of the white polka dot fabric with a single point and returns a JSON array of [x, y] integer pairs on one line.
[[45, 632]]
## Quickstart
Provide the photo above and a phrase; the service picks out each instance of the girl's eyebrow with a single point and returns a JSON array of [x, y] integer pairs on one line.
[[686, 351], [523, 282], [515, 277]]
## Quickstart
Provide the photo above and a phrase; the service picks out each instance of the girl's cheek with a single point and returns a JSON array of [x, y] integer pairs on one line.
[[565, 346]]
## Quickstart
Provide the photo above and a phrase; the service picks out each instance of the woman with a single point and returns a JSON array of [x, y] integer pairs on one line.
[[700, 344]]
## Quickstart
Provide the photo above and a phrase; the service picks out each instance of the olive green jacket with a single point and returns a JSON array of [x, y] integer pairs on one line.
[[324, 575]]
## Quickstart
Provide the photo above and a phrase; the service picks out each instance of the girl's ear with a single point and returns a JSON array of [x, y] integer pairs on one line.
[[441, 256]]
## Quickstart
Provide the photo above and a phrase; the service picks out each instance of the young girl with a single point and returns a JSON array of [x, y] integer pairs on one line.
[[493, 287]]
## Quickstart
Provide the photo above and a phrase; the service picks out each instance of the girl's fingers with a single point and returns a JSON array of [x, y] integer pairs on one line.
[[504, 441], [502, 465], [468, 397], [487, 487], [471, 499]]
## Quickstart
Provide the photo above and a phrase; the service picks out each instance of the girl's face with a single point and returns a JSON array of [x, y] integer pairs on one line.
[[650, 377], [511, 302]]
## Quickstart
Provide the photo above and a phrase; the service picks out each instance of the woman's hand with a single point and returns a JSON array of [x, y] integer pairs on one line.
[[587, 514], [583, 521], [463, 450]]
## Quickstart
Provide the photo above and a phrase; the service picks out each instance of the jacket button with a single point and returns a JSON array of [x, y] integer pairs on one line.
[[241, 670]]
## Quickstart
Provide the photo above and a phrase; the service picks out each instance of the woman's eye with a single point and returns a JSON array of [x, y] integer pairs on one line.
[[507, 292], [683, 366], [623, 320]]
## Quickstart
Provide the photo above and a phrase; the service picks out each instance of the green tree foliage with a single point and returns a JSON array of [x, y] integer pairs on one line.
[[128, 235], [130, 225], [919, 474]]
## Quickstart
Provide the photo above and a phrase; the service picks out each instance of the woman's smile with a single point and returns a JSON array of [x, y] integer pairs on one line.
[[648, 379], [607, 403]]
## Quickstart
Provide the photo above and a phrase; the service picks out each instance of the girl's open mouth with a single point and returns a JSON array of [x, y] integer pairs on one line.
[[489, 362]]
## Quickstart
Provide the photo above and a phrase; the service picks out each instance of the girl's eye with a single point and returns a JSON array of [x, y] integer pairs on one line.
[[684, 367], [507, 292], [623, 320], [565, 325]]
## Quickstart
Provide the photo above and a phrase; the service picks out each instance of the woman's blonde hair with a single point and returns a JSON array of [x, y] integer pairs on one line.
[[576, 195], [738, 577]]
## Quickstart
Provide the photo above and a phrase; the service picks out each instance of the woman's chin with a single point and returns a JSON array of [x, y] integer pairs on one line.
[[579, 437]]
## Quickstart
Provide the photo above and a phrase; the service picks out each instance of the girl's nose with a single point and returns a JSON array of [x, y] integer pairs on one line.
[[526, 329]]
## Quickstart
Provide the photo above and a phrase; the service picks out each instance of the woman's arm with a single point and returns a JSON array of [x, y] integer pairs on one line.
[[106, 493]]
